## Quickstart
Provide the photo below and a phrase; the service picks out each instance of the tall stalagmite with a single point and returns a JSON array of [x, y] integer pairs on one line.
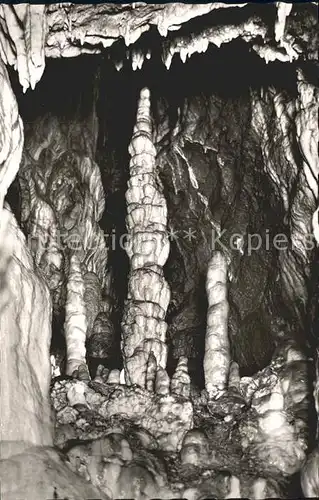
[[75, 326], [25, 334], [217, 356], [144, 327]]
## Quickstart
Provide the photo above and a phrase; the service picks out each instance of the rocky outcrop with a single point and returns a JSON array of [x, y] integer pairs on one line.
[[129, 432]]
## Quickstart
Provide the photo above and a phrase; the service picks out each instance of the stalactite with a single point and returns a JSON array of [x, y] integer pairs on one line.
[[66, 192], [143, 325], [195, 448], [75, 326], [63, 200], [217, 356], [283, 11], [92, 298], [26, 26]]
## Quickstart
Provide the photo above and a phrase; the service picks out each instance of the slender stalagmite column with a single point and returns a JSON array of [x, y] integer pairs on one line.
[[11, 134], [217, 355], [75, 326], [143, 325]]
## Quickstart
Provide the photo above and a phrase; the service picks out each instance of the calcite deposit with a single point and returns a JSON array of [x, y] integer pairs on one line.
[[25, 412], [144, 328], [159, 261], [216, 360]]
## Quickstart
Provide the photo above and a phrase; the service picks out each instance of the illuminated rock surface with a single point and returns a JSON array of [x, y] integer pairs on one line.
[[148, 187]]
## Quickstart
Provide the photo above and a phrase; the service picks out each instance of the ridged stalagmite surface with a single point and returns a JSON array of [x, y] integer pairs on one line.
[[62, 202], [144, 328], [11, 134], [25, 333], [310, 472], [217, 356]]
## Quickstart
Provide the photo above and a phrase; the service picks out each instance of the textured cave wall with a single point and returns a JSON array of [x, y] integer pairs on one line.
[[25, 327], [25, 309], [213, 170]]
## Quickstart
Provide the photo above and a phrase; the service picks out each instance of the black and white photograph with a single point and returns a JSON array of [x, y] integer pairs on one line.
[[159, 251]]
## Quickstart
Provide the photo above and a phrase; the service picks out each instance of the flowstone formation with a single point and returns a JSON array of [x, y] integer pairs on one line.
[[144, 329], [159, 241]]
